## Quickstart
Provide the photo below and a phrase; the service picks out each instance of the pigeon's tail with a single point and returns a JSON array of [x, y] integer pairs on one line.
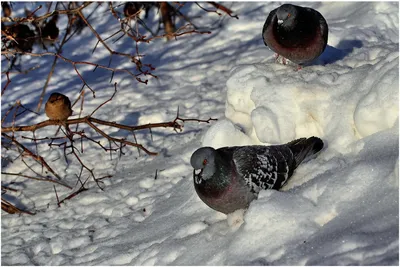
[[304, 148]]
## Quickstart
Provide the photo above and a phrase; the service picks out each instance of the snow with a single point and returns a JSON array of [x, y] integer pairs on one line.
[[339, 208]]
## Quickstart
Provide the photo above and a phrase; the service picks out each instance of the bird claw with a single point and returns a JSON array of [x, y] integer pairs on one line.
[[236, 218], [282, 61]]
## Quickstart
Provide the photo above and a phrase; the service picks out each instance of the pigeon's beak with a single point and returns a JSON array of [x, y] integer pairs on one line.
[[197, 176], [280, 21]]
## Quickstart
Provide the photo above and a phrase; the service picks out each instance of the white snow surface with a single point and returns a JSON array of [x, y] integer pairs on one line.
[[340, 208]]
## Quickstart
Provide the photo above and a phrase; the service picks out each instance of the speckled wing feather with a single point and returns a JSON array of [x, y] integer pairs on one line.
[[264, 167]]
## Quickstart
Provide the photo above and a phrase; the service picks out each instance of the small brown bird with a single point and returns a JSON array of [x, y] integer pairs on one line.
[[76, 21], [58, 107], [50, 32], [132, 8], [24, 37], [6, 9]]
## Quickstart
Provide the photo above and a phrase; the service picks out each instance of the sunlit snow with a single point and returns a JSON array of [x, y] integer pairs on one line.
[[340, 208]]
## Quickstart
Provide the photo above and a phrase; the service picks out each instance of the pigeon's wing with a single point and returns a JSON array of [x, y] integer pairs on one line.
[[264, 167], [268, 22], [319, 21], [305, 148]]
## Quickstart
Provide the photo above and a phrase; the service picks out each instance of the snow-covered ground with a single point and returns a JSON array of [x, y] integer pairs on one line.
[[340, 208]]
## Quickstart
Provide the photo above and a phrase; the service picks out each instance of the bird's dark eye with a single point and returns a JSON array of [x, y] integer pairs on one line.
[[204, 162]]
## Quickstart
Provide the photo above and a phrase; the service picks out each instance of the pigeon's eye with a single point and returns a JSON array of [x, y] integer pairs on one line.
[[288, 15], [204, 162]]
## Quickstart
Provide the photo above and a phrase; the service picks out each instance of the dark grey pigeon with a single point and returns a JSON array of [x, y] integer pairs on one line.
[[297, 33], [231, 177]]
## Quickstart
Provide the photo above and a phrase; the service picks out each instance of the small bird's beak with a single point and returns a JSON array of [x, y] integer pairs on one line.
[[197, 177], [280, 21]]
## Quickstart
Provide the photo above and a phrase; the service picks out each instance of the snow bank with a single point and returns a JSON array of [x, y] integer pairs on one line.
[[340, 208], [276, 104]]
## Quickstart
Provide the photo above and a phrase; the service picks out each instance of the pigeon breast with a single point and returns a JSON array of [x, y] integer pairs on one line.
[[301, 40]]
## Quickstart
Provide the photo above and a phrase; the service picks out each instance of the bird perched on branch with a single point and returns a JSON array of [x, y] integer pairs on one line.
[[131, 8], [229, 178], [58, 107], [50, 31], [297, 33], [6, 9], [76, 21], [22, 37]]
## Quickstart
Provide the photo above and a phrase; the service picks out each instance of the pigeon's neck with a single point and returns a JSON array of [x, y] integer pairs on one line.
[[302, 30], [288, 26], [219, 182]]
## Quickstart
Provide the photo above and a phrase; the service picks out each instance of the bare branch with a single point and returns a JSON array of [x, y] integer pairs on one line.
[[6, 85], [10, 208], [42, 179], [38, 158], [31, 18], [115, 91]]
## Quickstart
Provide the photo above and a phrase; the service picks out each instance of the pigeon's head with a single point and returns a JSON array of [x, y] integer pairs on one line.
[[286, 15], [203, 159]]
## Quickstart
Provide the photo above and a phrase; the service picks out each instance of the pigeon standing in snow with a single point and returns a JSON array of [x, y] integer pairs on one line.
[[231, 177], [297, 33]]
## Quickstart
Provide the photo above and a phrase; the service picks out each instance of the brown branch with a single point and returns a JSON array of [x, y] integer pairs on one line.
[[53, 66], [115, 91], [9, 52], [120, 140], [6, 188], [82, 96], [84, 166], [17, 103], [169, 26], [22, 71], [36, 178], [30, 18], [96, 34], [219, 7], [32, 14], [38, 158], [112, 52], [90, 121], [6, 85], [74, 194], [10, 208], [83, 135], [58, 201], [171, 124], [175, 34]]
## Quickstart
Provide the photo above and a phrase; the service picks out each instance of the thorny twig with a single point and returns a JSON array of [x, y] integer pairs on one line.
[[29, 153], [10, 208], [31, 18], [36, 178], [115, 91], [224, 9], [6, 85], [74, 194], [74, 63]]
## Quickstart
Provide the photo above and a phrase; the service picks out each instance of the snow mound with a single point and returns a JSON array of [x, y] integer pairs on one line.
[[276, 104]]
